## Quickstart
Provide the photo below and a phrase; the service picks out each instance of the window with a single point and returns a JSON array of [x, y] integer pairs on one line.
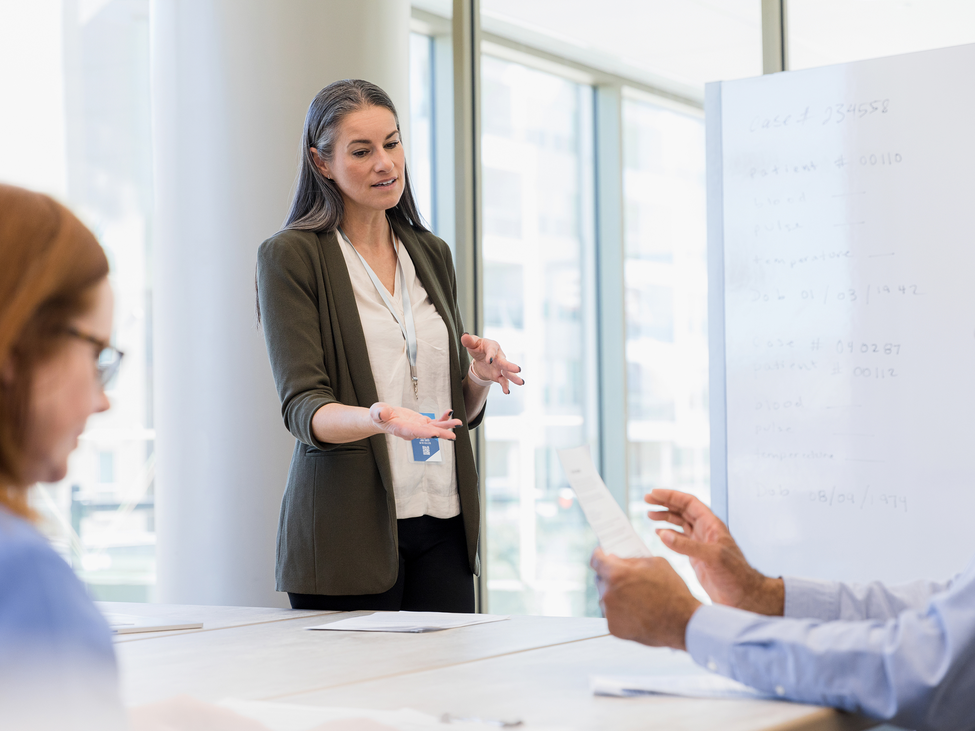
[[675, 49], [539, 304], [677, 46], [83, 71], [665, 274], [420, 135], [836, 31]]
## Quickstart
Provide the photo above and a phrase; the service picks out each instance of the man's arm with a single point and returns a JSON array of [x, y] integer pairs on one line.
[[832, 600], [916, 670], [730, 580]]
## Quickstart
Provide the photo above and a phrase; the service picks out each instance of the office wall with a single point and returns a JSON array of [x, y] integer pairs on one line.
[[231, 80]]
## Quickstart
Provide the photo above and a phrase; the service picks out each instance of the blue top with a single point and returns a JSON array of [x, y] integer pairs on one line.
[[56, 652], [904, 654]]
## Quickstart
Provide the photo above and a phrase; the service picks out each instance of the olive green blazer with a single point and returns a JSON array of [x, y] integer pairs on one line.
[[337, 528]]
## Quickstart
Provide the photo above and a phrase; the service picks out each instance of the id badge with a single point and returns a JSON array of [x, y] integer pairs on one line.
[[427, 450]]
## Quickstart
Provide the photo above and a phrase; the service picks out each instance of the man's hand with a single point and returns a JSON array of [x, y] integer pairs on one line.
[[715, 557], [643, 599]]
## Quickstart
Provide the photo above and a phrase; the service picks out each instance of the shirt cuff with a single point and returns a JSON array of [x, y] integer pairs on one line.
[[811, 599], [711, 635]]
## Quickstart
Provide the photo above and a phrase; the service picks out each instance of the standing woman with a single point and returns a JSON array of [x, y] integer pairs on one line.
[[57, 665], [378, 381]]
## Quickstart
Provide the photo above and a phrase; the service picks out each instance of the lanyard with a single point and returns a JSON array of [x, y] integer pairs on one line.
[[408, 328]]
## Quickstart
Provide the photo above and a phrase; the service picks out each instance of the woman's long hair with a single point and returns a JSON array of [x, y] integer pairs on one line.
[[49, 266], [317, 204]]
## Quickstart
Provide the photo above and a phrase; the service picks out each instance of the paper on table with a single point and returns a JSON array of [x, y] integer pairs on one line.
[[610, 524], [189, 714], [699, 685], [409, 621], [289, 717], [122, 624]]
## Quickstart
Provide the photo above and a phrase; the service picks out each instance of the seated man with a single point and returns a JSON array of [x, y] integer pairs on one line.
[[904, 654]]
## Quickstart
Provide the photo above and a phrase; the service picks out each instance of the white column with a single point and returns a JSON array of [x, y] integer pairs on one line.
[[232, 80]]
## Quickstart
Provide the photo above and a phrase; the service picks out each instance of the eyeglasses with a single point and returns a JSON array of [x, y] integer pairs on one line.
[[109, 357]]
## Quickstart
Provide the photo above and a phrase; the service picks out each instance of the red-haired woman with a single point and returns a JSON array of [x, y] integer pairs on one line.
[[57, 665]]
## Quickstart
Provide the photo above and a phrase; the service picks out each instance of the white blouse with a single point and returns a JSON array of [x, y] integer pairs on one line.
[[420, 488]]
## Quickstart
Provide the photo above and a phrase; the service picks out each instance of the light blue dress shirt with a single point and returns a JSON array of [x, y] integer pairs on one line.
[[57, 664], [904, 654]]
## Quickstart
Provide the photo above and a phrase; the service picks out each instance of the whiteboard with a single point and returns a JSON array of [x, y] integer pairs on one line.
[[842, 306]]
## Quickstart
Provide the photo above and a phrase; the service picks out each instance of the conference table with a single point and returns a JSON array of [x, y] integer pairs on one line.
[[534, 669]]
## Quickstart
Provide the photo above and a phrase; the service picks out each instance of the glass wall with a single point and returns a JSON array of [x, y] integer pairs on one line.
[[87, 141], [539, 304]]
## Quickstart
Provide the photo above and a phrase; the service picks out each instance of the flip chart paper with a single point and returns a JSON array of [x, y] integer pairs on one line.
[[409, 622], [613, 529], [842, 311]]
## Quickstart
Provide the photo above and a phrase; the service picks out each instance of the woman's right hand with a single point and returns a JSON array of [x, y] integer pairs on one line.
[[407, 424]]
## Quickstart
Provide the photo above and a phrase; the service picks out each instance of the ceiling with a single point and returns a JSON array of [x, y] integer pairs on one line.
[[679, 45]]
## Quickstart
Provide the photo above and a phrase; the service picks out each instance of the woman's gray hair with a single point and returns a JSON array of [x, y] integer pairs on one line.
[[317, 204]]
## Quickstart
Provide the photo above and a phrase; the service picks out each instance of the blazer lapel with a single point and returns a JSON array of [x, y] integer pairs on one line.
[[427, 274]]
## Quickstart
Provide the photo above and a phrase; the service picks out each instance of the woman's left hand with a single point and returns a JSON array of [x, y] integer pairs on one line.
[[489, 362]]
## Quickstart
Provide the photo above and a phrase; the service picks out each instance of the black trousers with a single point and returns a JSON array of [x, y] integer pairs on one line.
[[434, 574]]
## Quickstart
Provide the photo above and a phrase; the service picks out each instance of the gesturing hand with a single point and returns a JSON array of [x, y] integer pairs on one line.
[[489, 362], [715, 557], [407, 424], [643, 599]]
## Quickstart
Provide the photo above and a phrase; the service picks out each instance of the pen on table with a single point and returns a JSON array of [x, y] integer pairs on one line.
[[509, 723]]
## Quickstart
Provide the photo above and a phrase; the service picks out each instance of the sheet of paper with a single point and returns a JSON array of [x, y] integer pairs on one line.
[[409, 622], [189, 714], [613, 529], [691, 686], [122, 624]]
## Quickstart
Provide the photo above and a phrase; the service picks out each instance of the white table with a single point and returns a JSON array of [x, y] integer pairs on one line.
[[533, 668], [550, 686]]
